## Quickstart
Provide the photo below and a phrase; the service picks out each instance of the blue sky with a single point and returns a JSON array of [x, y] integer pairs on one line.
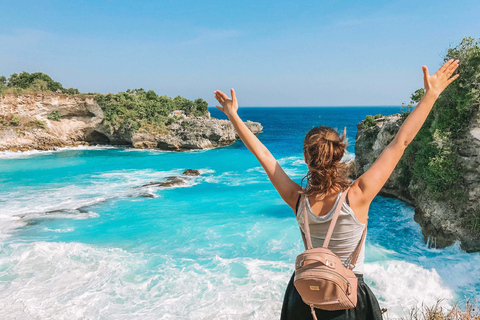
[[274, 53]]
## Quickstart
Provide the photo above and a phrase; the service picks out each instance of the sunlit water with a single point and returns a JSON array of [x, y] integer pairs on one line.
[[81, 237]]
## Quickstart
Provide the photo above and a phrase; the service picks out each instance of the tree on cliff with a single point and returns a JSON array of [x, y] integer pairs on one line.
[[36, 81], [3, 83], [137, 109]]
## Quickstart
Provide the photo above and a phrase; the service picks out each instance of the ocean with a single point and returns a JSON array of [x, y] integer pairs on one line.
[[82, 237]]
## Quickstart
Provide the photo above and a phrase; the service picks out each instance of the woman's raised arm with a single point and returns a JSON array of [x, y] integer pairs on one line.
[[372, 181], [285, 186]]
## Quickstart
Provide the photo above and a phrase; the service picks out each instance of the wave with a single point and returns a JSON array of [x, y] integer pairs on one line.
[[31, 153], [400, 285], [71, 280], [64, 230], [74, 201]]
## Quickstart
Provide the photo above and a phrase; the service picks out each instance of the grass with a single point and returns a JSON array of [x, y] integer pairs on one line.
[[475, 225], [41, 124], [437, 312]]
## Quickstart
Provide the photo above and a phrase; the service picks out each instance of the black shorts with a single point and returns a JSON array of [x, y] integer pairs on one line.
[[367, 307]]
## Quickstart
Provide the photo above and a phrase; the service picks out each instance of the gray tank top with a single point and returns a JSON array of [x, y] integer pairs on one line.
[[346, 234]]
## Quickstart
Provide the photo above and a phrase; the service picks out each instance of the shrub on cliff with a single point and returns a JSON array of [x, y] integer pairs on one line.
[[431, 159], [38, 124], [3, 83], [36, 81], [54, 116], [369, 121], [127, 112], [15, 121]]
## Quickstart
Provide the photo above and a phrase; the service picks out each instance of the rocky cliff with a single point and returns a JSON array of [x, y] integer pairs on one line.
[[48, 120], [444, 220]]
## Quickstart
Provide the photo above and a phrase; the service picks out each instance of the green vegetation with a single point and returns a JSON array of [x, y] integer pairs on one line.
[[369, 121], [475, 225], [36, 81], [15, 121], [3, 83], [124, 112], [414, 99], [431, 159], [127, 112], [38, 124], [54, 116]]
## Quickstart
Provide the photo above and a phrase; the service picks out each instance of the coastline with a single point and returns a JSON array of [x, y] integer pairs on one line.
[[47, 121]]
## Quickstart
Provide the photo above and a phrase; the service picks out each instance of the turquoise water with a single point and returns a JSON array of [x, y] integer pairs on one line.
[[82, 237]]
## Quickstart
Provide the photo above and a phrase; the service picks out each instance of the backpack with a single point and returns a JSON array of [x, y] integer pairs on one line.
[[321, 279]]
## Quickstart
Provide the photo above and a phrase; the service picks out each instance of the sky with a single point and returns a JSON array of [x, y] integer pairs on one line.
[[274, 53]]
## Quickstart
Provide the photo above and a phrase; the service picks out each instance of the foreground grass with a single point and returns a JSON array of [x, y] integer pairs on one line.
[[439, 313]]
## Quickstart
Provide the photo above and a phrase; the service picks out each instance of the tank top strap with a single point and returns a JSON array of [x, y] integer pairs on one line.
[[338, 207]]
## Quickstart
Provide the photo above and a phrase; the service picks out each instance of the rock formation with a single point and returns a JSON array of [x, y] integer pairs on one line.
[[193, 133], [80, 115], [26, 123], [174, 180], [442, 222]]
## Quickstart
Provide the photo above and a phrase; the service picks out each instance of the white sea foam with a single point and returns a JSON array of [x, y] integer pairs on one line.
[[298, 162], [30, 153], [400, 285], [71, 201], [64, 230], [293, 166], [73, 280], [348, 156], [235, 178]]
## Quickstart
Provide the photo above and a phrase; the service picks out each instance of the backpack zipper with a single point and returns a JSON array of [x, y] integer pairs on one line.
[[334, 274]]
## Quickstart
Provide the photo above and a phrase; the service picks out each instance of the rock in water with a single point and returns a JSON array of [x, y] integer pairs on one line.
[[171, 181], [191, 172]]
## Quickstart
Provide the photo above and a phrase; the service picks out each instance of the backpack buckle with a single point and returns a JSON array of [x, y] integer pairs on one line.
[[300, 263], [330, 264]]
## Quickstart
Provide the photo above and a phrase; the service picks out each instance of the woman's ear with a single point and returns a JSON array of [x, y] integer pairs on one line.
[[304, 157]]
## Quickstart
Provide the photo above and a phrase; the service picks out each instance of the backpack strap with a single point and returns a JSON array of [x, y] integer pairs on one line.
[[352, 260], [335, 218]]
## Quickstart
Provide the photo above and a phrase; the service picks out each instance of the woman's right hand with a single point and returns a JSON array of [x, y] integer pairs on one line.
[[229, 106], [441, 79]]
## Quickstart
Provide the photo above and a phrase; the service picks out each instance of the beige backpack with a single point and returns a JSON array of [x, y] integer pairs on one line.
[[321, 279]]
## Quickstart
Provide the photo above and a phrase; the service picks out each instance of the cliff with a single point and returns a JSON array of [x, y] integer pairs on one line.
[[443, 219], [46, 121]]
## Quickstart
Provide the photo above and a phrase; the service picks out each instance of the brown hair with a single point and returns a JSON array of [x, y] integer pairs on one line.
[[324, 149]]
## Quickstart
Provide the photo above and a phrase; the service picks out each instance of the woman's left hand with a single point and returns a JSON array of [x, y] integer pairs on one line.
[[229, 106]]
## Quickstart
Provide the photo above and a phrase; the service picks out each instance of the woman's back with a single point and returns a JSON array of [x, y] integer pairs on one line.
[[346, 234]]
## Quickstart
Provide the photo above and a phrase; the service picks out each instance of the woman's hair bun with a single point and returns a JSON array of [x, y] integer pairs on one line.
[[324, 150]]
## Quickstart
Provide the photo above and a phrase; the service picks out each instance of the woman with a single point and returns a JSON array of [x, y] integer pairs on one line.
[[327, 178]]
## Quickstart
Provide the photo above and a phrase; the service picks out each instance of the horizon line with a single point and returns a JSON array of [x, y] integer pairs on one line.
[[358, 106]]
